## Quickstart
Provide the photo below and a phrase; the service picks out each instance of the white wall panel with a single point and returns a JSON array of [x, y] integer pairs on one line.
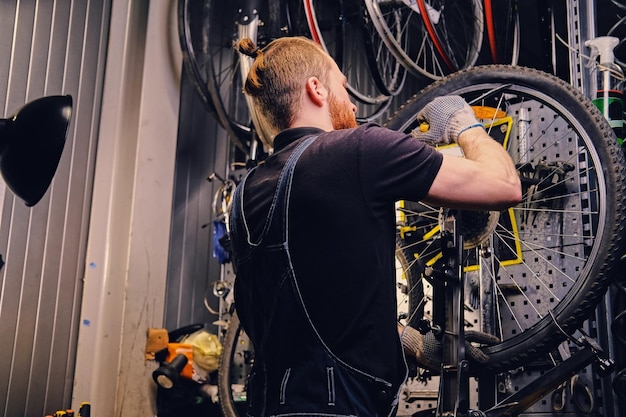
[[129, 229], [48, 48]]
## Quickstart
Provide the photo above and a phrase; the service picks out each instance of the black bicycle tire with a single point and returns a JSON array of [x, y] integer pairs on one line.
[[586, 293], [190, 63], [240, 134], [224, 389]]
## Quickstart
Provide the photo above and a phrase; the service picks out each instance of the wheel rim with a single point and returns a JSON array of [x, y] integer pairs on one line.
[[521, 247], [424, 54]]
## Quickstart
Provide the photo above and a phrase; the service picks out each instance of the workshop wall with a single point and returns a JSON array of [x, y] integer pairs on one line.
[[47, 48]]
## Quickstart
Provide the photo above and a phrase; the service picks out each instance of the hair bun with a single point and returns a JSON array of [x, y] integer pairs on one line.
[[247, 47]]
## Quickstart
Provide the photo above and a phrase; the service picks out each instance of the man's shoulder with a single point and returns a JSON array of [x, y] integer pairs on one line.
[[365, 132], [369, 139]]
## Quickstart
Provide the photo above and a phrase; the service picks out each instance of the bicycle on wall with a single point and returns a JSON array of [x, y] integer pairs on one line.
[[439, 37], [545, 263], [427, 38], [208, 30]]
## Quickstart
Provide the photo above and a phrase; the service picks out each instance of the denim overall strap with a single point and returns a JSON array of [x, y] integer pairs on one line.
[[279, 219], [279, 202]]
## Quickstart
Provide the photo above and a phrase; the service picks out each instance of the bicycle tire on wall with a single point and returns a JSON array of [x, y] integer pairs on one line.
[[204, 53], [428, 46], [218, 68], [583, 130], [234, 333]]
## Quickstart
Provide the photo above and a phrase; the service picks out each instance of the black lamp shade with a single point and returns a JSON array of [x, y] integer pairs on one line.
[[31, 144]]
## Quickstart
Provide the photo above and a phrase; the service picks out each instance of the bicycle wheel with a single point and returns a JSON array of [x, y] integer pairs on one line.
[[235, 364], [551, 257], [211, 64], [503, 31], [387, 72], [437, 37]]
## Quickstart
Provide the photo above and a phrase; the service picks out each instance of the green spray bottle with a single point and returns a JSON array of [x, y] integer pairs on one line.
[[609, 96]]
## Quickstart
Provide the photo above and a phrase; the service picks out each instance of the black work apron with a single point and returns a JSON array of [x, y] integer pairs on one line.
[[294, 373]]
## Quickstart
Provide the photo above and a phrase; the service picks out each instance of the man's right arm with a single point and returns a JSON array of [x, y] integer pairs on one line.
[[485, 179]]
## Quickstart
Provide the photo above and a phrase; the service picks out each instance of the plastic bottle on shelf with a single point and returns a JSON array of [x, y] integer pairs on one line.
[[609, 95]]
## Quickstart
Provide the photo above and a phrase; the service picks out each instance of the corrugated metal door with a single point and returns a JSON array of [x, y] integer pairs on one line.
[[47, 48]]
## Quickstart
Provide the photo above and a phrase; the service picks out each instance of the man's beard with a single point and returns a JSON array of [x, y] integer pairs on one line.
[[341, 114]]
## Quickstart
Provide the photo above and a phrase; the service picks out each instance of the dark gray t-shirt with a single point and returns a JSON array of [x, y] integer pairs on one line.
[[342, 232]]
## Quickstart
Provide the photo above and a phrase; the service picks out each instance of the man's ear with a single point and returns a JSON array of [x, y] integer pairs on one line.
[[316, 91]]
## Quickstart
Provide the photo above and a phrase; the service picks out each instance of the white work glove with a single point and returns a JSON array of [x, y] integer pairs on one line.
[[444, 119], [428, 351]]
